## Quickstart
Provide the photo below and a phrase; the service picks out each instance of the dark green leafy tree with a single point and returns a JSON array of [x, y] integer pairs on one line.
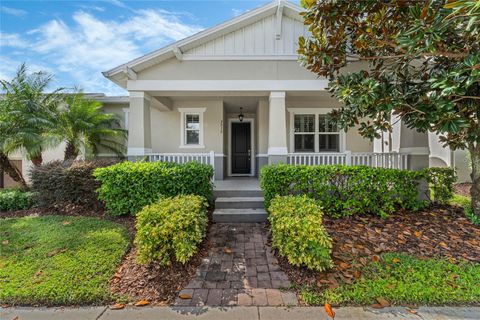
[[87, 129], [423, 66]]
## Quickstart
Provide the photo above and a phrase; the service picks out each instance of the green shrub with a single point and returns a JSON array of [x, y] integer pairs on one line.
[[129, 186], [466, 204], [345, 190], [298, 232], [16, 199], [171, 229], [61, 183], [441, 182]]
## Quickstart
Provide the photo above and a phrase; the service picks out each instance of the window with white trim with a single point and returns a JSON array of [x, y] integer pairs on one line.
[[304, 131], [312, 130], [328, 134], [192, 129]]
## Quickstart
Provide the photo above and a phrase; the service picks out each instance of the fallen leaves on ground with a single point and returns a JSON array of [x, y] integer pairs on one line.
[[441, 231], [383, 302], [117, 306], [329, 310], [227, 250], [142, 303], [185, 296]]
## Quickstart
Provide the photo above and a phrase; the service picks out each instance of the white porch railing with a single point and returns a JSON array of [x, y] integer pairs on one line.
[[205, 158], [377, 160]]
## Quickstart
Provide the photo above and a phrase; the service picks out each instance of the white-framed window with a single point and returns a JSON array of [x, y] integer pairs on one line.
[[312, 130], [191, 127], [304, 133]]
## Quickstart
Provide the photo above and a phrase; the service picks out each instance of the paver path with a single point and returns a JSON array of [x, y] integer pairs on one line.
[[240, 270]]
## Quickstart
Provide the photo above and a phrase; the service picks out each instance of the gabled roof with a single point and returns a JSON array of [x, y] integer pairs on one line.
[[128, 70]]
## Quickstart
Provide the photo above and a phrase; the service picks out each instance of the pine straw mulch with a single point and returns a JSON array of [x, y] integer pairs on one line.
[[463, 188], [441, 231], [157, 284]]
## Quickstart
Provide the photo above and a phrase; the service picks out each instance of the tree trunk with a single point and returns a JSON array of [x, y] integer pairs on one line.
[[11, 170], [37, 160], [71, 152], [475, 175]]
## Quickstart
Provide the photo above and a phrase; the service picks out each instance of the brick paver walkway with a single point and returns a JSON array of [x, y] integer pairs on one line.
[[240, 270]]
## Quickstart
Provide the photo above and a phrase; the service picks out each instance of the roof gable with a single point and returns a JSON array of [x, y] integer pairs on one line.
[[269, 31]]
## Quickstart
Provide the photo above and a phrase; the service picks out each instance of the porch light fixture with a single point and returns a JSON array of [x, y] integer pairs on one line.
[[241, 116]]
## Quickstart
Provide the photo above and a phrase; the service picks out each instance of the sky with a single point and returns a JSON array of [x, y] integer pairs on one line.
[[77, 40]]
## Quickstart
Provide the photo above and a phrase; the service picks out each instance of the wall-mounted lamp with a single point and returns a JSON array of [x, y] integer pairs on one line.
[[241, 116]]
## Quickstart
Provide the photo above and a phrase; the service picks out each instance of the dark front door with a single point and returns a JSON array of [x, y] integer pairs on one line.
[[241, 148]]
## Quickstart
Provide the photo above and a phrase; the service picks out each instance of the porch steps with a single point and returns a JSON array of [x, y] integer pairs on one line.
[[243, 205], [239, 203], [239, 215]]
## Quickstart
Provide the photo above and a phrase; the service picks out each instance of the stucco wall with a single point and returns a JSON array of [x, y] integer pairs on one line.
[[166, 127]]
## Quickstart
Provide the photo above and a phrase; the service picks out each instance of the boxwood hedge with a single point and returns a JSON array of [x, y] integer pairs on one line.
[[127, 187], [171, 229], [348, 190]]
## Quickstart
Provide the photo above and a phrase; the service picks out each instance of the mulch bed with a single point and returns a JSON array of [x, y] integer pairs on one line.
[[441, 231], [463, 188], [157, 284]]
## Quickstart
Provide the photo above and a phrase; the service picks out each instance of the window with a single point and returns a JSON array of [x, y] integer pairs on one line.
[[304, 133], [191, 129], [312, 130], [329, 135]]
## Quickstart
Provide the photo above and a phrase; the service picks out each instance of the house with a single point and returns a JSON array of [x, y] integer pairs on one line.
[[236, 95]]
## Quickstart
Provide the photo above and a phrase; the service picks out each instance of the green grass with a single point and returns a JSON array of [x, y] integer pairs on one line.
[[410, 281], [464, 202], [59, 260]]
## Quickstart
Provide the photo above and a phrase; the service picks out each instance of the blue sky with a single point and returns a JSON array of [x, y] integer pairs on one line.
[[76, 40]]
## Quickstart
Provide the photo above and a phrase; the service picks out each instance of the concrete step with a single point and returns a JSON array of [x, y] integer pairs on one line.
[[239, 215], [237, 193], [239, 203]]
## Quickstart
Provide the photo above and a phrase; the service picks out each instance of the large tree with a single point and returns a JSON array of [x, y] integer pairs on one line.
[[86, 128], [423, 60]]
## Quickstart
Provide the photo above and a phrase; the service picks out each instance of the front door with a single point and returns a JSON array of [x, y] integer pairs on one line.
[[241, 148]]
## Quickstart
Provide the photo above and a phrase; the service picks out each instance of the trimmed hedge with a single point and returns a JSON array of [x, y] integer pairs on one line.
[[348, 190], [129, 186], [16, 199], [441, 181], [171, 229], [61, 183], [298, 232]]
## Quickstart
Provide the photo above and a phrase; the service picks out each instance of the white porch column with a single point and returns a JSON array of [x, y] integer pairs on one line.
[[139, 131], [277, 128]]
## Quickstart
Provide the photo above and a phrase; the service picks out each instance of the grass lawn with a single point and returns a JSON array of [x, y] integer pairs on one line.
[[59, 260], [403, 279]]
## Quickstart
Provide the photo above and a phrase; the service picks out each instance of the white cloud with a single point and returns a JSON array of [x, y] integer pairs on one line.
[[13, 11], [12, 40], [91, 7], [91, 45]]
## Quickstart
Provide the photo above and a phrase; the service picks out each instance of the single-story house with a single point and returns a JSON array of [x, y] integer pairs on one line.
[[235, 96]]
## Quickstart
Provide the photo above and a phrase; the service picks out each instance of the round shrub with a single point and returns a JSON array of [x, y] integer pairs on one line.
[[298, 232], [171, 229]]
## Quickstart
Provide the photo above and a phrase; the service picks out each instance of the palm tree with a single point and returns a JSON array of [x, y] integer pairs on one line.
[[86, 129], [26, 115]]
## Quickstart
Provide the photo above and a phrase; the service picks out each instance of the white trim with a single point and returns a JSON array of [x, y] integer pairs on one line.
[[314, 111], [183, 114], [252, 146], [178, 53], [262, 155], [279, 16], [138, 151], [277, 151], [228, 85]]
